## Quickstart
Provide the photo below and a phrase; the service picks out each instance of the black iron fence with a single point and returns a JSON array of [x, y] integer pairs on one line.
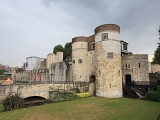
[[149, 83]]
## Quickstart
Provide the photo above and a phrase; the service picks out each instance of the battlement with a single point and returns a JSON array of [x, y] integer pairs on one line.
[[79, 39], [105, 27], [53, 58], [135, 56]]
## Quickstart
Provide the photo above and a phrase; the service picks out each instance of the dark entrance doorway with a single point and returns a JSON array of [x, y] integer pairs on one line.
[[92, 88], [128, 80]]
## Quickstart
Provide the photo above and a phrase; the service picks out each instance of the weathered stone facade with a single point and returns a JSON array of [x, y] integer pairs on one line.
[[108, 69], [42, 90], [54, 58], [57, 71], [33, 75], [135, 65], [154, 68], [101, 59]]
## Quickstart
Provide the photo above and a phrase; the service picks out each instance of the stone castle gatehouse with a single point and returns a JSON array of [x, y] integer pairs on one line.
[[101, 59]]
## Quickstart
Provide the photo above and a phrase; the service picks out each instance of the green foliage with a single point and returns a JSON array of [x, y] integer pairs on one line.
[[12, 102], [58, 48], [156, 59], [77, 90], [2, 71], [64, 96], [1, 107], [153, 96], [67, 50], [158, 88]]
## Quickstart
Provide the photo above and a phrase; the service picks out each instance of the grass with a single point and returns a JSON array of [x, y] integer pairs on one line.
[[17, 82], [92, 108], [2, 81]]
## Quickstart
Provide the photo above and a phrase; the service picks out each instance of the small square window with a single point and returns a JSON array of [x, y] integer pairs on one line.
[[128, 65], [80, 60], [125, 46], [73, 61], [92, 46], [110, 55], [104, 36]]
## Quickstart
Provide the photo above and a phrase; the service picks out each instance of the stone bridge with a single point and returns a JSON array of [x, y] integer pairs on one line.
[[29, 90]]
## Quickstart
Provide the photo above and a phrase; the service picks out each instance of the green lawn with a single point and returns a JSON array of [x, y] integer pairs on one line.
[[92, 108], [2, 81]]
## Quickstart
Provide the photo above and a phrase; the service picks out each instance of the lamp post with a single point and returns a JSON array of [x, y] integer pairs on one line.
[[14, 77], [51, 77]]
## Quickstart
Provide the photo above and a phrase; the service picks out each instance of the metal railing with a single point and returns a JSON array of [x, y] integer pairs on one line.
[[151, 83]]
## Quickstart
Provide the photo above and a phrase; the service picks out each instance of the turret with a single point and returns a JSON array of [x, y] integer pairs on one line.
[[108, 61], [79, 58]]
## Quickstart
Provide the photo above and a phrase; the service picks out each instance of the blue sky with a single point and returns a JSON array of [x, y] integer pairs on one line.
[[34, 27]]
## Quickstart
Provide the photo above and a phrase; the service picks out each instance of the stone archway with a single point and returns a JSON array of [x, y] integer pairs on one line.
[[92, 86], [128, 80]]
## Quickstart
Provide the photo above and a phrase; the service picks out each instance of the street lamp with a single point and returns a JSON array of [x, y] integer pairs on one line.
[[14, 77], [51, 77]]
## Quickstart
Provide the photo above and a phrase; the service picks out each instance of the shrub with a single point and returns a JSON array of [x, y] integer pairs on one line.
[[77, 90], [158, 88], [64, 96], [12, 102], [153, 96], [85, 94]]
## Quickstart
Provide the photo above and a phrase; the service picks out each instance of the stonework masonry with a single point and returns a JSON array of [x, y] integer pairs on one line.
[[30, 90], [102, 60], [106, 71], [154, 68], [54, 58], [135, 65]]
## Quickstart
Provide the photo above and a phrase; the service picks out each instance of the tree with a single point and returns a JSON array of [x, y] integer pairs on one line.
[[58, 48], [2, 71], [67, 50], [156, 59]]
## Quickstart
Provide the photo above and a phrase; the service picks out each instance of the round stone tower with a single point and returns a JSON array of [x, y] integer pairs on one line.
[[108, 61], [79, 58]]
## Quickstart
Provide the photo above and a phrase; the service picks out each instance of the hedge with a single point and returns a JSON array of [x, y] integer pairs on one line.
[[158, 88], [153, 96]]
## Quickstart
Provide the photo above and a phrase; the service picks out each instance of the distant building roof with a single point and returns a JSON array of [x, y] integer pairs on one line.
[[7, 73]]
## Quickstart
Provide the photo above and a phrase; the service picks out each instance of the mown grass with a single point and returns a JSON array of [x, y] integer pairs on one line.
[[2, 81], [17, 82], [92, 108]]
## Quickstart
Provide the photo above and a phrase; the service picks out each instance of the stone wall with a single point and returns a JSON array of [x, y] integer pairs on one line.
[[54, 58], [155, 68], [42, 90], [91, 67], [108, 69], [69, 73], [135, 65], [29, 90], [79, 61], [57, 71], [33, 75]]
